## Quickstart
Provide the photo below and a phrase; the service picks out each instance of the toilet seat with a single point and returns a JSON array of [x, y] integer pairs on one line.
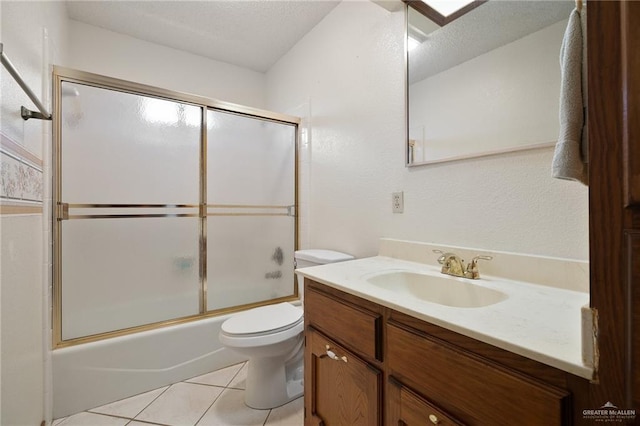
[[264, 325], [262, 320]]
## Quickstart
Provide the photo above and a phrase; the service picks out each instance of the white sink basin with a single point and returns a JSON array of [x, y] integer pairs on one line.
[[443, 290]]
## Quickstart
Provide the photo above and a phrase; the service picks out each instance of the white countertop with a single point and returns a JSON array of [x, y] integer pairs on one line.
[[538, 322]]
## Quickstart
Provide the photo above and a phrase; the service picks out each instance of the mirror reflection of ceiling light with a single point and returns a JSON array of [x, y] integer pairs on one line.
[[412, 43], [447, 7], [415, 36]]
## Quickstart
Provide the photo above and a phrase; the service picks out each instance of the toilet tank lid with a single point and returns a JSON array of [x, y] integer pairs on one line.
[[321, 256]]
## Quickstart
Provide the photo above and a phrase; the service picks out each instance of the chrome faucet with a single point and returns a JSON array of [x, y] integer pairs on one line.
[[453, 265]]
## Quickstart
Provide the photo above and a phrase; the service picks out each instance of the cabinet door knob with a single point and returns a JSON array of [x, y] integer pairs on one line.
[[333, 355], [434, 419]]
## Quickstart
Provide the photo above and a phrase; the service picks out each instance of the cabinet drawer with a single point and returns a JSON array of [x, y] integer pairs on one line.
[[471, 388], [357, 329], [416, 411]]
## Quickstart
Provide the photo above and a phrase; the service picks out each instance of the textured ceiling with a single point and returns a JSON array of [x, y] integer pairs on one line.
[[493, 24], [249, 33]]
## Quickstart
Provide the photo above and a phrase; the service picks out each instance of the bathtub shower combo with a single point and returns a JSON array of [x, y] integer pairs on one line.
[[172, 211]]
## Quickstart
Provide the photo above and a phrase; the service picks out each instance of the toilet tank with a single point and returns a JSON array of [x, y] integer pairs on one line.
[[315, 257]]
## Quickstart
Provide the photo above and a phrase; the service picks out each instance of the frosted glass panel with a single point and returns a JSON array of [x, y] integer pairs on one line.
[[124, 148], [249, 161], [120, 273], [249, 259]]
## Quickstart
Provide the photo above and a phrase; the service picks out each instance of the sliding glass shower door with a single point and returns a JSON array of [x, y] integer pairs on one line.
[[128, 256], [164, 214], [250, 209]]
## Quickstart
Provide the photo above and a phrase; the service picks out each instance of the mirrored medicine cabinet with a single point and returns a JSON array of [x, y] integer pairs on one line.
[[482, 80]]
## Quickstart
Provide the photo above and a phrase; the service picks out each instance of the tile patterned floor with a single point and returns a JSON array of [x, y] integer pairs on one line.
[[214, 399]]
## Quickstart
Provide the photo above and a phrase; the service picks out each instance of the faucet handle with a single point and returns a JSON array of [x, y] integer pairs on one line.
[[475, 259], [472, 267], [441, 253]]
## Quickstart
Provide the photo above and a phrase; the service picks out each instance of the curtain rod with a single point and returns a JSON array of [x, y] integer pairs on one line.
[[24, 112]]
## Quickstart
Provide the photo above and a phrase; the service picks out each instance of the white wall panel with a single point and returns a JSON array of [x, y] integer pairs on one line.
[[116, 55], [34, 36]]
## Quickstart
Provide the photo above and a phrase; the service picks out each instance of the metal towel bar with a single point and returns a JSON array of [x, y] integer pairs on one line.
[[24, 112]]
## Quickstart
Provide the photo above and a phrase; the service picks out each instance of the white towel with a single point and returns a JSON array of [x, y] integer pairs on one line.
[[570, 157]]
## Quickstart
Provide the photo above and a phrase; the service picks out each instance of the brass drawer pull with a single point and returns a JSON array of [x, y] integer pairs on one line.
[[434, 419], [333, 355]]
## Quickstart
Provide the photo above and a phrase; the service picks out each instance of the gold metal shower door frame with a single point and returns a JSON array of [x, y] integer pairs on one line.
[[61, 211]]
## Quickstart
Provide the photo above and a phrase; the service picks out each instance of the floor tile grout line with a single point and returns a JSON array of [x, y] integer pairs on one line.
[[201, 384], [188, 383], [123, 399], [154, 400], [147, 422], [224, 386], [268, 415], [111, 415], [280, 406], [244, 364], [96, 414], [209, 407], [62, 420], [231, 387]]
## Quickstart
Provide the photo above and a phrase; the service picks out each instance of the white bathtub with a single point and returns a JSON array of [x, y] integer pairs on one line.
[[94, 374]]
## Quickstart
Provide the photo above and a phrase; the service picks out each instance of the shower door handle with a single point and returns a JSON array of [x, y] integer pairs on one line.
[[62, 211]]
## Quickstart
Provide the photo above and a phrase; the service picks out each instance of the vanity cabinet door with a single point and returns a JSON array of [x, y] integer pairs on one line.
[[340, 388]]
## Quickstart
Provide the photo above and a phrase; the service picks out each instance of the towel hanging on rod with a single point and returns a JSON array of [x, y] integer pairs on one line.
[[24, 112], [570, 158]]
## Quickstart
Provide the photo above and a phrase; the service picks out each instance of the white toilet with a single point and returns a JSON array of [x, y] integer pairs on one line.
[[272, 337]]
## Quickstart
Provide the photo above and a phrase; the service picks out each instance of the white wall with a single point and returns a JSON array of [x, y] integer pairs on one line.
[[22, 355], [350, 66], [33, 36], [117, 55]]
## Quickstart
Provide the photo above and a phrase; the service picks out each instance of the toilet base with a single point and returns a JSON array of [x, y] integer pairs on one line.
[[272, 383]]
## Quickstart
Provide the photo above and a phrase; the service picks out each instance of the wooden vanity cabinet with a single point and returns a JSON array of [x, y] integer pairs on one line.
[[343, 375], [401, 371]]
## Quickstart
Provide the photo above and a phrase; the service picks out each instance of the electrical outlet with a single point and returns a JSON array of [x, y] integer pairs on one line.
[[397, 202]]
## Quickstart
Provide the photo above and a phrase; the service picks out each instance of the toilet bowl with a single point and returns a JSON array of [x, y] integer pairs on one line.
[[272, 338]]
